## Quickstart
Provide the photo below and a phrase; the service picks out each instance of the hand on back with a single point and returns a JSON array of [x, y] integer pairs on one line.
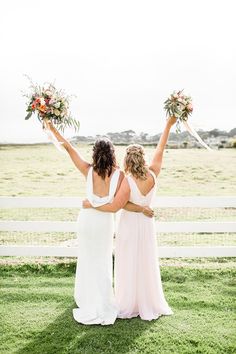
[[147, 211]]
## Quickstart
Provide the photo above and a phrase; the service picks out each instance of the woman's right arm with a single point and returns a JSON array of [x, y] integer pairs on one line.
[[120, 200], [158, 154], [75, 156], [136, 208]]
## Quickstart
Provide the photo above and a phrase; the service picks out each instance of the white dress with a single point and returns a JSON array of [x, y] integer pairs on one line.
[[93, 283]]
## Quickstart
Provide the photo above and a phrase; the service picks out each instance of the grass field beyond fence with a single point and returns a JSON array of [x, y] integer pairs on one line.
[[41, 170]]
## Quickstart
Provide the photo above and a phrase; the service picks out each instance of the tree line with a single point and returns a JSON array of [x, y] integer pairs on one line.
[[220, 138]]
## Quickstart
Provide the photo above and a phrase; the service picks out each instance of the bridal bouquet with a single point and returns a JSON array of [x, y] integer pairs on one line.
[[51, 104], [180, 106]]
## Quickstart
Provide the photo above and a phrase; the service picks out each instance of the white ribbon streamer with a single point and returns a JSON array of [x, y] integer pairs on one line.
[[53, 139], [193, 132]]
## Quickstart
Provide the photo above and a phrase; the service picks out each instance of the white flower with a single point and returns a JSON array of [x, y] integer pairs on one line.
[[42, 102], [56, 112], [48, 93], [57, 105]]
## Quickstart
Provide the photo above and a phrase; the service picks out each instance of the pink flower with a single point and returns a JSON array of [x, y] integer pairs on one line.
[[190, 107]]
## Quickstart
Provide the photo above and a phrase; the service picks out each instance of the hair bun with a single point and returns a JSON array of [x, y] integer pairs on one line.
[[103, 157]]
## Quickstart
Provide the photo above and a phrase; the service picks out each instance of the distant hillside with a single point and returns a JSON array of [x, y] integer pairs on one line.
[[216, 138], [213, 137]]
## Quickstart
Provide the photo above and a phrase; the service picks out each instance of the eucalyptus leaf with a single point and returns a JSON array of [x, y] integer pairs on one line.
[[28, 116]]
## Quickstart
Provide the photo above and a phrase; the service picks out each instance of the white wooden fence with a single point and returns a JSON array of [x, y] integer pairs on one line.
[[167, 227]]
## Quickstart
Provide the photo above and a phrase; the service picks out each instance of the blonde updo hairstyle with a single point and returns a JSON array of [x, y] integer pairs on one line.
[[134, 161]]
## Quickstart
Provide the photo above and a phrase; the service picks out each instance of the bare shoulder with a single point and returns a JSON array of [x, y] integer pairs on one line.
[[122, 175], [125, 182], [122, 184], [155, 169], [86, 169], [121, 178]]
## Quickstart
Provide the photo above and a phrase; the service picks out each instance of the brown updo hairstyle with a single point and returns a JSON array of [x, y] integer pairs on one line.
[[134, 161], [103, 157]]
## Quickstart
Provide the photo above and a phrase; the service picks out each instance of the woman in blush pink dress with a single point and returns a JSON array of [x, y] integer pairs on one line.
[[138, 286]]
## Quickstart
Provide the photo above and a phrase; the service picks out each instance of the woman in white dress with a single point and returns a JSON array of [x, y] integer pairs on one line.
[[138, 286], [93, 283]]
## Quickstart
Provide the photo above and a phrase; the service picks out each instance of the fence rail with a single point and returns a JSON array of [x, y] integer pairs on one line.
[[75, 202], [164, 251], [165, 227], [162, 227]]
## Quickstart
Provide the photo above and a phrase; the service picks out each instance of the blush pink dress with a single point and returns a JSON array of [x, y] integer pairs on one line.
[[138, 286]]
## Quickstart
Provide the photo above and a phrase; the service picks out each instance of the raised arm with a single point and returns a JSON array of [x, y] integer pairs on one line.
[[75, 156], [156, 163]]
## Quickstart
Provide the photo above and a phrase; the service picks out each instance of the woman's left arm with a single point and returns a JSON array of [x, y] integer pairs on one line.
[[135, 208]]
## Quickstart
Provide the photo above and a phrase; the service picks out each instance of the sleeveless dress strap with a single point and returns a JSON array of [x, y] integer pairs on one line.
[[153, 175], [113, 183], [130, 180], [89, 184]]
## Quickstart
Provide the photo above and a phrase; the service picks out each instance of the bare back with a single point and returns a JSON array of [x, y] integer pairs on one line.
[[145, 186], [142, 192], [102, 191], [101, 187]]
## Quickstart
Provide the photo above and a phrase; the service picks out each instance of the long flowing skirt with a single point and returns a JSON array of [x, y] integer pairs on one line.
[[138, 286], [93, 282]]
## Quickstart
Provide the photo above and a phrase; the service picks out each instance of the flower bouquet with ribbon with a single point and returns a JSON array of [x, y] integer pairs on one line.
[[50, 104], [180, 106]]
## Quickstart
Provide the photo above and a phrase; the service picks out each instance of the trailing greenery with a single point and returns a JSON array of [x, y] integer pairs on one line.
[[36, 315]]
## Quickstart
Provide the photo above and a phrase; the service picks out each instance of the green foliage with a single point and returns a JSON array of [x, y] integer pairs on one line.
[[28, 116], [234, 143]]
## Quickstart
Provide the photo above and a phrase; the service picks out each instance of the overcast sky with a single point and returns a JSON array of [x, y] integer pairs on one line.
[[121, 58]]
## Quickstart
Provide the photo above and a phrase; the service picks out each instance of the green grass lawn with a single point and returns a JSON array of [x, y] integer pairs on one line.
[[36, 315]]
